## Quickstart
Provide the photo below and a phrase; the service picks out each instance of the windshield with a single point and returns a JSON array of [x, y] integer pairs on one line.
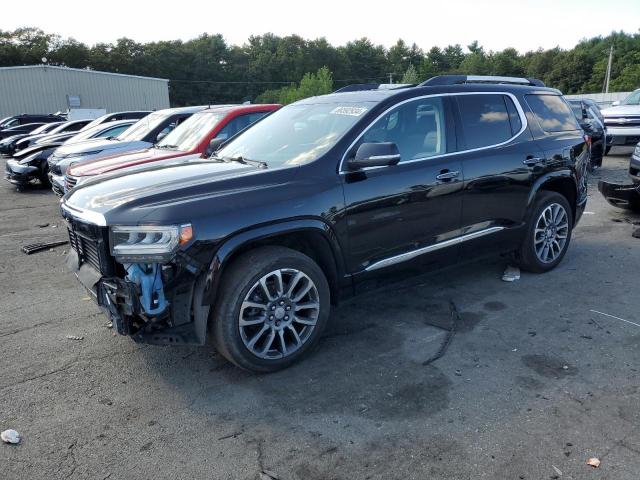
[[189, 133], [91, 132], [633, 99], [45, 128], [142, 127], [296, 134]]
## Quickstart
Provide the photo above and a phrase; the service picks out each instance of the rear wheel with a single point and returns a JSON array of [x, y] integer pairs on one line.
[[548, 233], [273, 306]]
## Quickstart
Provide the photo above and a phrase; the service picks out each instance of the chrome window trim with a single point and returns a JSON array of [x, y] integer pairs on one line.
[[403, 257], [523, 121], [87, 215]]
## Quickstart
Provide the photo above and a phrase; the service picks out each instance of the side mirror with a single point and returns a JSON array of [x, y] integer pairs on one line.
[[616, 103], [214, 144], [375, 155]]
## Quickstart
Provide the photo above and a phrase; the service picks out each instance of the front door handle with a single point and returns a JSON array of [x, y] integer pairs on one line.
[[447, 175], [531, 160]]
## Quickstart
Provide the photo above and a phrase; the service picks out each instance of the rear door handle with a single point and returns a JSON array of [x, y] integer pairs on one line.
[[531, 160], [447, 175]]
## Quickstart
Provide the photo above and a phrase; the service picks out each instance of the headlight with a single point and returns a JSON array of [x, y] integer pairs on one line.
[[29, 158], [636, 151], [147, 243]]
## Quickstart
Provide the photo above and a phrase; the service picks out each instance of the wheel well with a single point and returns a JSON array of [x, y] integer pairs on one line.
[[312, 244], [566, 188]]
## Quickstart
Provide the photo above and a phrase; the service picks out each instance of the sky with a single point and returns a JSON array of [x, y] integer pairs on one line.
[[496, 24]]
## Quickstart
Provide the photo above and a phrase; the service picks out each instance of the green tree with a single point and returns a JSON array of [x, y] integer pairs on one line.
[[411, 75]]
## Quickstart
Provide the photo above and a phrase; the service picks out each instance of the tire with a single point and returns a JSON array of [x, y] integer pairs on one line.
[[532, 254], [243, 282]]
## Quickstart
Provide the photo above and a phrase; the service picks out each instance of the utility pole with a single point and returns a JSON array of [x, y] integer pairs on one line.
[[607, 77], [391, 77]]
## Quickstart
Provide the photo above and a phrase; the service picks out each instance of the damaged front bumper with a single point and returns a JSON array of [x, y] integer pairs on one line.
[[19, 174], [620, 195], [155, 304]]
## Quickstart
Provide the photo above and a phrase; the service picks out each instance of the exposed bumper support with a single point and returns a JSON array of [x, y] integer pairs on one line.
[[619, 195]]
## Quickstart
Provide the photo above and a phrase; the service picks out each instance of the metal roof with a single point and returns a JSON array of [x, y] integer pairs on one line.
[[83, 70]]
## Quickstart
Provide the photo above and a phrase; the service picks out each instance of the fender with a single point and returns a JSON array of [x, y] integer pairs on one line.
[[564, 173], [233, 243]]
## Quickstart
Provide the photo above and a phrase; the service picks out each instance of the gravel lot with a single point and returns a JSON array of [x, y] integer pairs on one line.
[[533, 384]]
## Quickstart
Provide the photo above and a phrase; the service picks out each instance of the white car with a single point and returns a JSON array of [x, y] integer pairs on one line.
[[623, 121], [143, 134]]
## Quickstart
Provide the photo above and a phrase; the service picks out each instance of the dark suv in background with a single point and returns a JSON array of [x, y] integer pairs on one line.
[[321, 199]]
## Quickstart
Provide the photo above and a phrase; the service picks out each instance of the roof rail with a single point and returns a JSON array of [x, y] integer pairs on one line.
[[458, 79], [358, 87]]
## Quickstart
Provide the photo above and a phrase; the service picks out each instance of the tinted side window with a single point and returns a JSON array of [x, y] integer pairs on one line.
[[485, 120], [416, 127], [552, 113]]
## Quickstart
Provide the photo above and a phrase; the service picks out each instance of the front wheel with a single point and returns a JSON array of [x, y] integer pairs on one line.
[[548, 233], [273, 306]]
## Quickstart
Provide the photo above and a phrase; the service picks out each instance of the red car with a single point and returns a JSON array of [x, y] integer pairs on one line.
[[200, 134]]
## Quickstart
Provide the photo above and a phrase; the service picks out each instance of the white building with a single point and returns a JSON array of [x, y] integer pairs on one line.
[[49, 89]]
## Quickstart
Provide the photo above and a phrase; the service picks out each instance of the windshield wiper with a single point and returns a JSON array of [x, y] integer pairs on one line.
[[245, 161], [169, 147]]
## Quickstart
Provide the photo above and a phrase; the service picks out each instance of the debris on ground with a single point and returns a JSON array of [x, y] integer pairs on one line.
[[593, 462], [36, 247], [74, 337], [10, 436], [268, 475], [557, 470], [43, 225], [511, 274], [109, 325], [455, 318]]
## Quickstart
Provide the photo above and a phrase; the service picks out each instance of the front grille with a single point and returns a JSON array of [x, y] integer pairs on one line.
[[628, 121], [69, 182], [90, 243]]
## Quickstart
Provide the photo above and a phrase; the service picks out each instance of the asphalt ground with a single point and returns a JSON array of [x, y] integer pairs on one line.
[[534, 383]]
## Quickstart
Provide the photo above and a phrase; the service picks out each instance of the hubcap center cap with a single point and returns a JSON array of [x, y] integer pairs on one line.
[[279, 313]]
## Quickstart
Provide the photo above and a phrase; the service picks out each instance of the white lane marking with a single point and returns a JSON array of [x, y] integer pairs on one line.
[[617, 318]]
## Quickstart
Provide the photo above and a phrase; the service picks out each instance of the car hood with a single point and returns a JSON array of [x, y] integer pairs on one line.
[[25, 152], [104, 165], [621, 110], [11, 139], [168, 192], [101, 144]]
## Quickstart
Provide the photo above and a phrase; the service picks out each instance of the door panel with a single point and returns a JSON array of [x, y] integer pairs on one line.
[[396, 209], [499, 171]]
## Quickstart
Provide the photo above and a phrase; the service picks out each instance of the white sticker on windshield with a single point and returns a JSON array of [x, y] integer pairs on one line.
[[352, 111]]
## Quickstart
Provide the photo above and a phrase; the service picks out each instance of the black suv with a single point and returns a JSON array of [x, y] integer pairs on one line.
[[318, 200]]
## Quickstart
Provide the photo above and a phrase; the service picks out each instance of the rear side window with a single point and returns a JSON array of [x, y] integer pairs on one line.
[[486, 120], [552, 113]]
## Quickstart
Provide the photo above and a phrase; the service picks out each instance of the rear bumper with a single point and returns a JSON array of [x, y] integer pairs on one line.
[[625, 196], [18, 174]]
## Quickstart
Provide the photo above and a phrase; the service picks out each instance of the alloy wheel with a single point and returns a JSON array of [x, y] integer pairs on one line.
[[551, 232], [279, 313]]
